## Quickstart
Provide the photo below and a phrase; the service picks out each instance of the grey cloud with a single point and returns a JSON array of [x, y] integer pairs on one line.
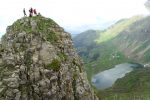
[[147, 4]]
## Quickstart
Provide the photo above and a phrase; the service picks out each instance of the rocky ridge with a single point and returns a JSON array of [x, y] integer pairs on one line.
[[38, 62]]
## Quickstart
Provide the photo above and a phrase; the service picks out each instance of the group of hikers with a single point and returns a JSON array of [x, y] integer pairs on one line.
[[32, 12]]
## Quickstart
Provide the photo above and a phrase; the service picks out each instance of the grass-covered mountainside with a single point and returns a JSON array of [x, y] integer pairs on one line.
[[92, 34], [126, 41], [134, 86], [134, 41], [104, 49], [114, 30], [98, 49]]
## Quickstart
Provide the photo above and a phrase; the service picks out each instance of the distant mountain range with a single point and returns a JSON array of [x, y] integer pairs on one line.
[[128, 40], [73, 35], [82, 28], [100, 48]]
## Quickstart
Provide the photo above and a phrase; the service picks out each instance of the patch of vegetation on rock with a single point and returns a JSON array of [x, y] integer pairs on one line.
[[62, 56], [20, 26], [41, 24], [51, 37], [54, 65]]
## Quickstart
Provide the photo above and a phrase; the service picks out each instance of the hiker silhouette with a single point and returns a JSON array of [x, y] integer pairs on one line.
[[24, 12], [34, 11], [31, 12]]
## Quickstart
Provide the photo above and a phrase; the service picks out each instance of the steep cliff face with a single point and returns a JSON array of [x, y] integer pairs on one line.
[[38, 62]]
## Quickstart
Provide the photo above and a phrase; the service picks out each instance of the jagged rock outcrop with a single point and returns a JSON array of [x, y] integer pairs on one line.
[[38, 62]]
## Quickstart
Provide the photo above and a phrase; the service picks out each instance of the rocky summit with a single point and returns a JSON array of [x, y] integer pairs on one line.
[[38, 62]]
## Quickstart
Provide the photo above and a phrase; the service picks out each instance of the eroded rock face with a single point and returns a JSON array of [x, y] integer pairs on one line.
[[38, 62]]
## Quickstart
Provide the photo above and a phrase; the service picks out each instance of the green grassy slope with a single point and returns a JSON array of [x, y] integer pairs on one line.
[[97, 57], [135, 41], [114, 30], [133, 86], [97, 48], [127, 40], [103, 57]]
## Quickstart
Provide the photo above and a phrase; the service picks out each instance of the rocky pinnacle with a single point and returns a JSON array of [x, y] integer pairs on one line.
[[38, 62]]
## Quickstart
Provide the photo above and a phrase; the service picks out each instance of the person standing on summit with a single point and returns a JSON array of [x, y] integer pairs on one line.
[[24, 12], [31, 12], [34, 11]]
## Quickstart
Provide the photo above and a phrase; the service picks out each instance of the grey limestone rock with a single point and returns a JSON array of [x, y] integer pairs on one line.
[[41, 63]]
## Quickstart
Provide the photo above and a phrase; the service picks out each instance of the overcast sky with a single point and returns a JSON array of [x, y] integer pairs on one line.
[[73, 15]]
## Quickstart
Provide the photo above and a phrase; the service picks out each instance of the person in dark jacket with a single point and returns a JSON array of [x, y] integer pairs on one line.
[[24, 12], [31, 12]]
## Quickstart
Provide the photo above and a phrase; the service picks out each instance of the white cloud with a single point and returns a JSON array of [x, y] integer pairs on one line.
[[72, 13]]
